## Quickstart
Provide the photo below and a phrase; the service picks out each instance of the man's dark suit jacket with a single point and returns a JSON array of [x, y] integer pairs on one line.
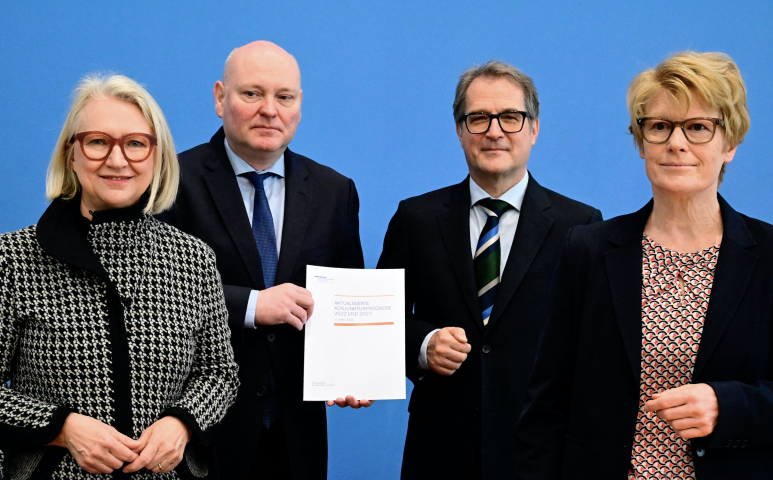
[[458, 420], [321, 227], [584, 393]]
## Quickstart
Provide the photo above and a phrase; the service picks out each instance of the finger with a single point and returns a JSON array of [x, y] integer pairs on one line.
[[143, 460], [341, 402], [442, 371], [129, 442], [686, 423], [675, 413], [330, 403], [121, 453], [143, 440], [453, 355], [460, 347], [366, 403], [304, 300], [458, 334], [301, 290], [121, 450], [160, 459], [447, 365], [109, 460], [299, 312], [665, 401], [449, 362], [352, 402], [291, 319]]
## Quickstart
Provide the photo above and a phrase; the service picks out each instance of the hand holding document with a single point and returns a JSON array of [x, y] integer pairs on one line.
[[355, 342]]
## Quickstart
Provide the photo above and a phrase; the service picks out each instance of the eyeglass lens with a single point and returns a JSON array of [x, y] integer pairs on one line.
[[697, 130], [96, 146], [510, 122]]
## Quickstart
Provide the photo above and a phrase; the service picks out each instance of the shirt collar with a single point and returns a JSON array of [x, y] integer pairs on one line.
[[241, 167], [514, 196]]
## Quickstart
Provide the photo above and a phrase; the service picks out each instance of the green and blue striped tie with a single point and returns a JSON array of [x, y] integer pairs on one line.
[[488, 255]]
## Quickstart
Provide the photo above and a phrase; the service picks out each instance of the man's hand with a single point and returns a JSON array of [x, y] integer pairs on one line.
[[691, 410], [286, 303], [96, 446], [446, 350], [350, 401], [161, 446]]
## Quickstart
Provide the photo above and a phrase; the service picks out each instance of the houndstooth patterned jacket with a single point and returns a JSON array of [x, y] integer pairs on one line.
[[121, 319]]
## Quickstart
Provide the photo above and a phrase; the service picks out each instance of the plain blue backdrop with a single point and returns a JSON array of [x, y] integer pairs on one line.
[[378, 82]]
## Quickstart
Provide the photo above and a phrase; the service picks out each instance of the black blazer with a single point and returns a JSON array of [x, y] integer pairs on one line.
[[429, 236], [321, 227], [584, 393]]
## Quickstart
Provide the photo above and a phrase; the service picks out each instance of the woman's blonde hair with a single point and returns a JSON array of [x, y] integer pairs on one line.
[[713, 76], [61, 180]]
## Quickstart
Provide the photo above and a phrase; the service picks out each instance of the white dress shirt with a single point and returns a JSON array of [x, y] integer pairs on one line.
[[274, 186], [508, 223]]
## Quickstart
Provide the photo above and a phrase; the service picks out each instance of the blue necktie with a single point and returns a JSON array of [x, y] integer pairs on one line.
[[265, 239], [487, 256], [263, 228]]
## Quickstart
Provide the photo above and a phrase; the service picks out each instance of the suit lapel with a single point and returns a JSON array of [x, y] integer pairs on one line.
[[533, 226], [735, 267], [454, 225], [624, 272], [298, 196], [224, 189]]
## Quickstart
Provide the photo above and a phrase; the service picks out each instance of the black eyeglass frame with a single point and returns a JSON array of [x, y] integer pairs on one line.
[[715, 121], [492, 116]]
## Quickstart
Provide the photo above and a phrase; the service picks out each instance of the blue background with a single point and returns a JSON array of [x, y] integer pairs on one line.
[[378, 82]]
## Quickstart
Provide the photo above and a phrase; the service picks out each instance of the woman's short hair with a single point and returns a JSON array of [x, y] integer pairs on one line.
[[713, 76], [495, 69], [61, 180]]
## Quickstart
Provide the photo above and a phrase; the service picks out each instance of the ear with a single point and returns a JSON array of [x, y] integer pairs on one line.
[[219, 92], [730, 154], [69, 152], [534, 131], [300, 102], [459, 131]]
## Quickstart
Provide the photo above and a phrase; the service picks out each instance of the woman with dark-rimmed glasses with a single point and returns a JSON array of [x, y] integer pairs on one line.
[[657, 357], [113, 327]]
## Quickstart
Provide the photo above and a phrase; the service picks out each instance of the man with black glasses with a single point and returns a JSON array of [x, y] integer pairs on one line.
[[479, 257]]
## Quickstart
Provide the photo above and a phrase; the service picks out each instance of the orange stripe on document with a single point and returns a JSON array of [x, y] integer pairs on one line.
[[362, 324]]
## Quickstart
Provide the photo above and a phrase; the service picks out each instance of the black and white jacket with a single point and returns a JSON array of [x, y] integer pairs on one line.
[[121, 319]]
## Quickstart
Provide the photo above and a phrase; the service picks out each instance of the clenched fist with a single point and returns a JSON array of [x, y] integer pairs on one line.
[[446, 350]]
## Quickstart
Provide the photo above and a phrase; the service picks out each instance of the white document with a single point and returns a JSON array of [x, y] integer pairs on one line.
[[355, 339]]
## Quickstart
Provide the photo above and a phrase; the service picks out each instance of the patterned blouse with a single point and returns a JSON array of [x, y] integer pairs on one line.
[[672, 324]]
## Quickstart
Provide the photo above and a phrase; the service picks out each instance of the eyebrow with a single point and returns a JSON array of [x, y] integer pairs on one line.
[[501, 111], [259, 87]]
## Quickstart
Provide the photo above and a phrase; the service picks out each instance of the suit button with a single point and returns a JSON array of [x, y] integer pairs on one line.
[[475, 412], [744, 443], [261, 391], [271, 337], [486, 349], [701, 451], [728, 444], [736, 444]]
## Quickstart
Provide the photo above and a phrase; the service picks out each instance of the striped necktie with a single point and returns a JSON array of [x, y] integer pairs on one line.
[[265, 239], [488, 255]]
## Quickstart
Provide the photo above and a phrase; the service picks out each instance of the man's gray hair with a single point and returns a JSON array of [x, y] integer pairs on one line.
[[495, 69]]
